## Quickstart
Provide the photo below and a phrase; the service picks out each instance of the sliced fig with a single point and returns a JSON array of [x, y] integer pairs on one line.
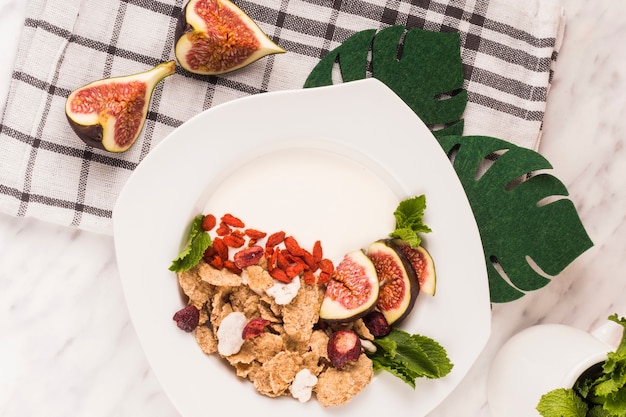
[[216, 37], [397, 280], [352, 291], [422, 264], [110, 113]]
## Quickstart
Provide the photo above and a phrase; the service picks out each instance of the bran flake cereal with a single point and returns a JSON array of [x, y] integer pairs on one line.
[[289, 344]]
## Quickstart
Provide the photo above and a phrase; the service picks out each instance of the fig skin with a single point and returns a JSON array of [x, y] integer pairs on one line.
[[212, 49], [93, 115], [422, 263], [398, 281]]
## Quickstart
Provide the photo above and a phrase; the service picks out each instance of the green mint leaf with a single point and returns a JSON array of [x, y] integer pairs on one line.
[[410, 356], [621, 349], [615, 403], [408, 235], [409, 220], [603, 394], [197, 242], [598, 411], [562, 402], [386, 363]]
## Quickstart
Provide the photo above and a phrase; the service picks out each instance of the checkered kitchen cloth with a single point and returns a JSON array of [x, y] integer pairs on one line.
[[509, 49]]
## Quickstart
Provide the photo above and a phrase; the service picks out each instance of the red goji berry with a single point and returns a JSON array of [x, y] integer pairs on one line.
[[217, 262], [326, 265], [234, 241], [309, 277], [281, 259], [323, 278], [310, 261], [232, 221], [209, 222], [230, 265], [275, 239], [209, 253], [220, 248], [279, 275], [292, 245], [294, 270], [273, 260], [318, 254], [223, 230], [255, 234]]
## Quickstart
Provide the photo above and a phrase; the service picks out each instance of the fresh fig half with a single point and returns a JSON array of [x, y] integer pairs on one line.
[[109, 114], [422, 264], [216, 37], [397, 280], [352, 291]]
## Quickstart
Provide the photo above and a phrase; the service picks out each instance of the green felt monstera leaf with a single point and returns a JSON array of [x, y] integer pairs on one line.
[[423, 68], [530, 231], [522, 221]]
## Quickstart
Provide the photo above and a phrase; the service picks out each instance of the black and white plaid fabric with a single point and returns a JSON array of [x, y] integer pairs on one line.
[[508, 50]]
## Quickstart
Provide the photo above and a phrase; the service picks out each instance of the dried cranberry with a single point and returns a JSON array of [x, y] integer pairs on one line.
[[254, 328], [377, 324], [343, 346], [187, 318], [248, 256]]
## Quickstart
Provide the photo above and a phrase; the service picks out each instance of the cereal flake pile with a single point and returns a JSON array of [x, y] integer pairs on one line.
[[269, 330], [290, 356]]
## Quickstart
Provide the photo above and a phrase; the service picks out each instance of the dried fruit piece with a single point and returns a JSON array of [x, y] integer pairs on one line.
[[109, 114], [216, 36], [275, 239], [352, 290], [293, 247], [422, 264], [187, 318], [254, 328], [377, 324], [209, 222], [397, 280], [232, 221], [343, 346], [248, 256]]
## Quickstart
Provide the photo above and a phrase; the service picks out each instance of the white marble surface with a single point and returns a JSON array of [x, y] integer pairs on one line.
[[67, 347]]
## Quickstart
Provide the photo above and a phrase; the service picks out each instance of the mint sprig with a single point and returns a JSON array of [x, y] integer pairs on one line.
[[409, 220], [410, 356], [602, 395], [197, 242]]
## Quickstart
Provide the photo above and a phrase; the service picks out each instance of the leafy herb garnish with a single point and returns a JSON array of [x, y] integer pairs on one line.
[[197, 243], [409, 223], [410, 356], [602, 395]]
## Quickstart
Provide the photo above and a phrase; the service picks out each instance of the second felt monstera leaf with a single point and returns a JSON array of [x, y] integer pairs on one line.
[[530, 231], [424, 68]]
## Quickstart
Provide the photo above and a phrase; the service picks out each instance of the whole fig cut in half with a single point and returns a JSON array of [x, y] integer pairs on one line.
[[422, 264], [352, 291], [109, 114], [216, 37], [398, 283]]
